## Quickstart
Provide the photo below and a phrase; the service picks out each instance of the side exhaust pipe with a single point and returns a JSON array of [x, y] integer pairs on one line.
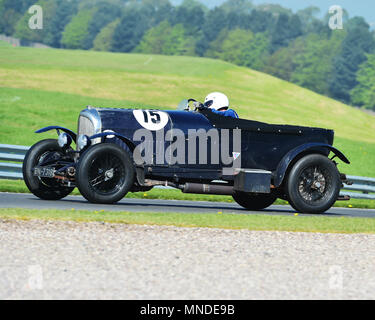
[[198, 188], [206, 189]]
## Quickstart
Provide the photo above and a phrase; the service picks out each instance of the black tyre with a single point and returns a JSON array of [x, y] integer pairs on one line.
[[44, 188], [313, 184], [254, 201], [105, 173]]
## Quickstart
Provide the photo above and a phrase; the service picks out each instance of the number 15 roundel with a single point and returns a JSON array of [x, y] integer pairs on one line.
[[151, 119]]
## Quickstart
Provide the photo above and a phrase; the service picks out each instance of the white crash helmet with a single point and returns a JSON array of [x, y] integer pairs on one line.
[[216, 100]]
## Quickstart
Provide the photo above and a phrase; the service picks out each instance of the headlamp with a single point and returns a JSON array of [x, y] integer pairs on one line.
[[64, 140], [83, 141]]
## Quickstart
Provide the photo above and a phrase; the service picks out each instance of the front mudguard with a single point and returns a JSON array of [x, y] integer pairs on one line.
[[308, 148], [57, 128], [124, 139]]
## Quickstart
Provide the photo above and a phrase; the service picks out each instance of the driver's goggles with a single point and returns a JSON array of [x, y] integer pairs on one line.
[[208, 103]]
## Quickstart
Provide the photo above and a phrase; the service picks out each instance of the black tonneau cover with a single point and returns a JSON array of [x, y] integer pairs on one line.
[[224, 122]]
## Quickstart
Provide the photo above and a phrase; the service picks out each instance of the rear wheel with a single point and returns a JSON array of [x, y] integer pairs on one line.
[[254, 201], [313, 184], [105, 173], [43, 152]]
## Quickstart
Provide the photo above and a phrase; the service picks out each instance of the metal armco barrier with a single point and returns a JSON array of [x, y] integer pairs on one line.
[[11, 170], [362, 187]]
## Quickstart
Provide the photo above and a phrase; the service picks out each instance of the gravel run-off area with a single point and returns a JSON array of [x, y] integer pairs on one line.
[[72, 260]]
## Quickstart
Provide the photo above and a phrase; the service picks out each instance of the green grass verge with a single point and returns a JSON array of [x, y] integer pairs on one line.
[[292, 223], [18, 186]]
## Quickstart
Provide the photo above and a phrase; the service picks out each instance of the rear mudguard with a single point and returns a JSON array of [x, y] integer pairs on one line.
[[307, 148], [71, 133]]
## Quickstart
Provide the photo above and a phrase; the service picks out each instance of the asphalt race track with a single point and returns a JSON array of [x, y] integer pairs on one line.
[[29, 201]]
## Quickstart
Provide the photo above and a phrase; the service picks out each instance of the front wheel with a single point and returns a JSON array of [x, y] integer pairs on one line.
[[254, 201], [313, 184], [44, 153], [105, 173]]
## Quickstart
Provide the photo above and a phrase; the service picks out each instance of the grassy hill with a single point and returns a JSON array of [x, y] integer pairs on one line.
[[41, 87]]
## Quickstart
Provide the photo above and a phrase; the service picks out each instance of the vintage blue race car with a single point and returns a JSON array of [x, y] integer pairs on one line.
[[197, 151]]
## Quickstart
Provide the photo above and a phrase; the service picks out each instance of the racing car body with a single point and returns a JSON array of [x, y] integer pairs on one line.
[[122, 150]]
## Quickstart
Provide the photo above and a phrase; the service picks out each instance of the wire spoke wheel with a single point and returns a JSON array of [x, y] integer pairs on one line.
[[106, 174], [313, 184]]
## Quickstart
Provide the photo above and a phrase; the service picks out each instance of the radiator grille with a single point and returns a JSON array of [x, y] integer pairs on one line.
[[89, 123], [85, 126]]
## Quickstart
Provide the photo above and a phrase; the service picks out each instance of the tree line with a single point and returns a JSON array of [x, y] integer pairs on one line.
[[297, 47]]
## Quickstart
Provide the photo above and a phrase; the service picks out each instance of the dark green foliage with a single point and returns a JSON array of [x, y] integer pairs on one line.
[[104, 14], [10, 13], [259, 21], [282, 63], [215, 22], [358, 42], [167, 40], [364, 93], [286, 29], [64, 13], [313, 64], [190, 16], [155, 11], [240, 47], [77, 31], [129, 31], [104, 39]]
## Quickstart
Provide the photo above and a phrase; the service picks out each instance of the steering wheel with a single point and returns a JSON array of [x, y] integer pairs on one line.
[[190, 105], [196, 104]]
